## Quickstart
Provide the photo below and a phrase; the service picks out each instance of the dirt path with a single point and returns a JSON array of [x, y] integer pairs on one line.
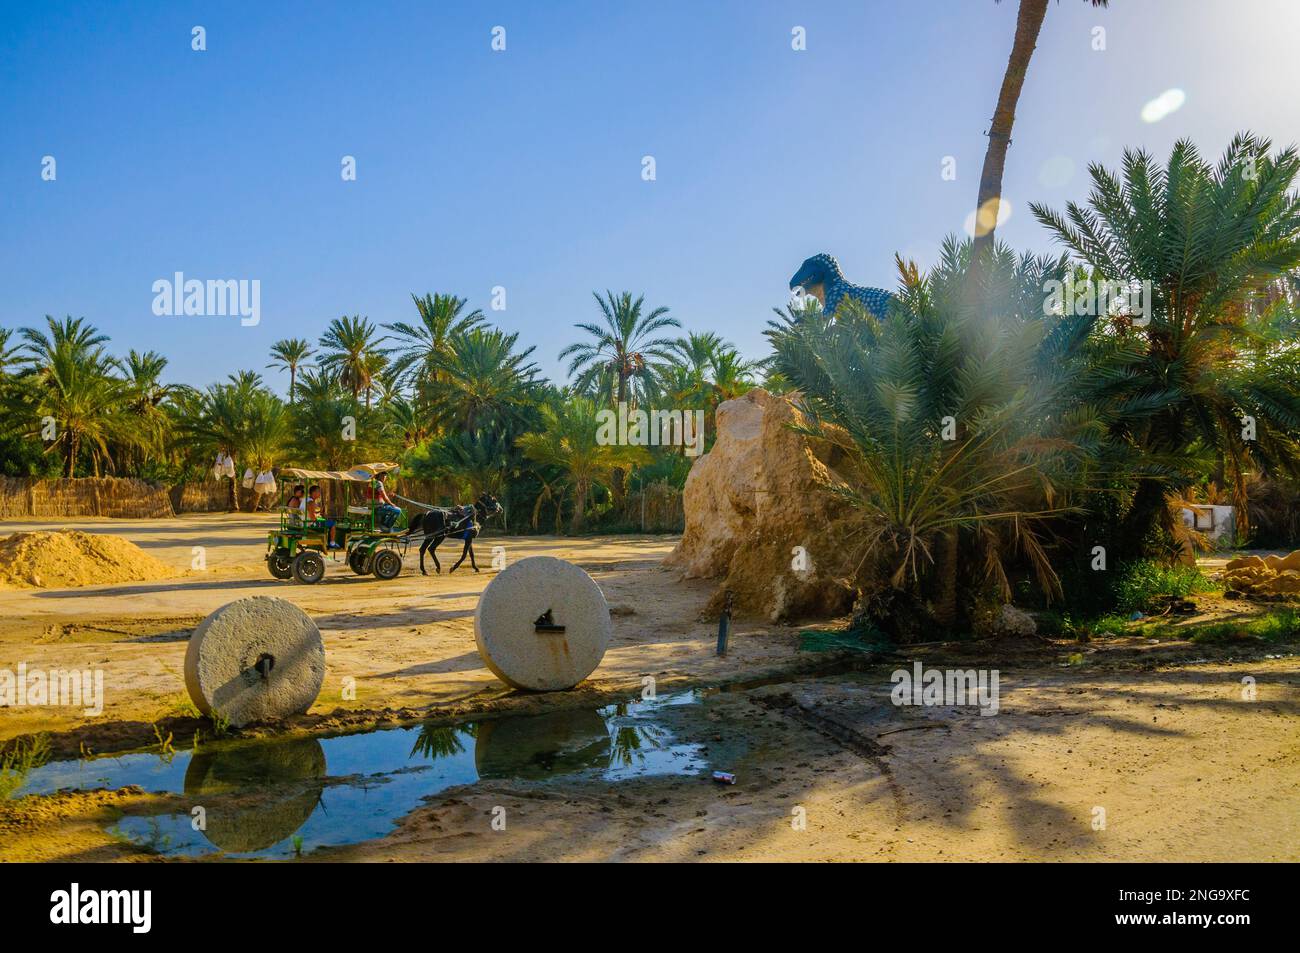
[[1182, 767], [407, 643]]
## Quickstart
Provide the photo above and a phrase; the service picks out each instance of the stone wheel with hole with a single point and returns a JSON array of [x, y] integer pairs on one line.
[[280, 564], [309, 567], [388, 565], [255, 659], [542, 624]]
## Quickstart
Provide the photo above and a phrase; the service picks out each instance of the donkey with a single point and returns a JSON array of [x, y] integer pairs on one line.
[[456, 522]]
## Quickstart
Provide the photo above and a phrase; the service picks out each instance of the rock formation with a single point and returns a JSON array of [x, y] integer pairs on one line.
[[763, 517], [1267, 576]]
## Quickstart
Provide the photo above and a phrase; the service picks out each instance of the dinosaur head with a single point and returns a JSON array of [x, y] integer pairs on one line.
[[815, 274]]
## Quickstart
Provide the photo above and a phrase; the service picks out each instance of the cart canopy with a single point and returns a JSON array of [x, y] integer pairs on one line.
[[362, 473]]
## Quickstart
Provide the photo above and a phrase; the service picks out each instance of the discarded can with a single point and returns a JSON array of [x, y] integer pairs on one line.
[[724, 777]]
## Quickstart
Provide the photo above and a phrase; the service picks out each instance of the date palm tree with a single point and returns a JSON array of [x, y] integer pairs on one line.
[[290, 354], [10, 354], [950, 421], [483, 379], [422, 343], [567, 440], [351, 351], [622, 346], [70, 381], [1029, 23], [242, 419], [1208, 373]]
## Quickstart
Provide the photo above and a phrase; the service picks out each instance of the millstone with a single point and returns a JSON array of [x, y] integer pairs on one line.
[[256, 659], [542, 624]]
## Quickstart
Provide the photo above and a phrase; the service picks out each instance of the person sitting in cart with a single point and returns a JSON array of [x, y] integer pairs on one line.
[[296, 505], [316, 515], [385, 511]]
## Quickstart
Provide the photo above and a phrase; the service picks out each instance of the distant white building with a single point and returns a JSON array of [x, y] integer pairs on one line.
[[1216, 522]]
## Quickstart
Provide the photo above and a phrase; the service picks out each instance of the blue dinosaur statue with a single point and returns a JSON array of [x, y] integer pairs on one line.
[[820, 276]]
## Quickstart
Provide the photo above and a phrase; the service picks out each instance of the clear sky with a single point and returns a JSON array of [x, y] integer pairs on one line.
[[523, 168]]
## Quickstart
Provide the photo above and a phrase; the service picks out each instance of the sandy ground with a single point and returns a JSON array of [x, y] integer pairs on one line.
[[408, 642], [1121, 750], [1170, 765]]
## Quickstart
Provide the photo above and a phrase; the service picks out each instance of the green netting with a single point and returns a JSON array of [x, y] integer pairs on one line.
[[826, 640]]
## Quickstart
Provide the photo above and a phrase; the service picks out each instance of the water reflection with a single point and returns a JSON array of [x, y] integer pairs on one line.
[[257, 795], [276, 797]]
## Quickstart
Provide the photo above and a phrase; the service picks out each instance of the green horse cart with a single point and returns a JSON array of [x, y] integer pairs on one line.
[[299, 548]]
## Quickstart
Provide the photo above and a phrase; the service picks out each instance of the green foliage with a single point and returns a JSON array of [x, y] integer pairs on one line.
[[1139, 584], [1280, 624], [19, 759]]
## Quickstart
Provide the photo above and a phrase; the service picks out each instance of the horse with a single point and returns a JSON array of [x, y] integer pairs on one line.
[[458, 522]]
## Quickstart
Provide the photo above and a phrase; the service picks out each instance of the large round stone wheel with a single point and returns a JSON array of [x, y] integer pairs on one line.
[[256, 659], [542, 624]]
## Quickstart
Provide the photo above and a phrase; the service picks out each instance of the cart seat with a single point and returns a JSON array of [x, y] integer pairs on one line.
[[359, 510]]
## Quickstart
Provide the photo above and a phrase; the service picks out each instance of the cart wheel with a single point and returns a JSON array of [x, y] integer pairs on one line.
[[281, 564], [309, 566], [387, 564], [358, 562]]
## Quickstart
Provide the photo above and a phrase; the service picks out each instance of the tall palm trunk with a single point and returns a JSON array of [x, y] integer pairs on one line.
[[579, 507], [945, 605], [1029, 20], [617, 477]]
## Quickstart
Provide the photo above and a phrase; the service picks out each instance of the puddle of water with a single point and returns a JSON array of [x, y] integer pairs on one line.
[[280, 796]]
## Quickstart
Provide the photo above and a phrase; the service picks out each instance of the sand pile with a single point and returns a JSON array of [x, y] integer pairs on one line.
[[762, 516], [65, 559], [1269, 576]]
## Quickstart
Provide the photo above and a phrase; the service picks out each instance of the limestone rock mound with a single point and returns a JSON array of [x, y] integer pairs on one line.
[[68, 558], [763, 517], [1267, 576]]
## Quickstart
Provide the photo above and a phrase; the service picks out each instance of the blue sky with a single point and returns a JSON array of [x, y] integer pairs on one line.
[[522, 168]]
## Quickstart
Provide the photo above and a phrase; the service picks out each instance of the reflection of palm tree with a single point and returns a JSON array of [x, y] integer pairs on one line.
[[438, 741], [630, 739]]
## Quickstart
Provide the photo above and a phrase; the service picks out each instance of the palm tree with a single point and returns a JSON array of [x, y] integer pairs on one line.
[[242, 419], [1209, 238], [697, 351], [351, 351], [482, 379], [147, 394], [623, 346], [733, 376], [322, 435], [951, 423], [1029, 21], [430, 338], [70, 379], [290, 354], [568, 441], [10, 357]]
